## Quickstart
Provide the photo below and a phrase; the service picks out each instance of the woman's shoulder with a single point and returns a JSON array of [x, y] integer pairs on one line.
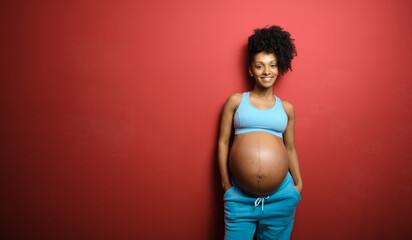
[[236, 96], [288, 107], [234, 100]]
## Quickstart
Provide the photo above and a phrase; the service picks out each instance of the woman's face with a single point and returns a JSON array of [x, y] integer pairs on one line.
[[264, 69]]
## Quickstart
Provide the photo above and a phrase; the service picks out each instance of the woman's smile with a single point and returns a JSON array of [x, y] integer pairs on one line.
[[266, 79]]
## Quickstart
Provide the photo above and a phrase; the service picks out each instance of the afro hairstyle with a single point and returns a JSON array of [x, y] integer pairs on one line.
[[274, 40]]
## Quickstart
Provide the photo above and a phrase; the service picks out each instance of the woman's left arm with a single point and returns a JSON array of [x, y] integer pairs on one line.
[[289, 140]]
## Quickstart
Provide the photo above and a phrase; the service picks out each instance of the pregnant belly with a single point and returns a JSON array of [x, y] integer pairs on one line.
[[259, 162]]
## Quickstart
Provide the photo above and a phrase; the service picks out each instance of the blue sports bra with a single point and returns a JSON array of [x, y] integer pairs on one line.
[[249, 119]]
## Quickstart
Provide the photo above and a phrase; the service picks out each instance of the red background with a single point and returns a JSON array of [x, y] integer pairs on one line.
[[110, 113]]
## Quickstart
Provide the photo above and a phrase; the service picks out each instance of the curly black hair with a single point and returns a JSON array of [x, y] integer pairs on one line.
[[273, 40]]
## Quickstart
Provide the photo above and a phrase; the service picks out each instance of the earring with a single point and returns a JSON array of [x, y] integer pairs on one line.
[[251, 75]]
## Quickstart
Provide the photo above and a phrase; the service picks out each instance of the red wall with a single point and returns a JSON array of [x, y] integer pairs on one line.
[[110, 113]]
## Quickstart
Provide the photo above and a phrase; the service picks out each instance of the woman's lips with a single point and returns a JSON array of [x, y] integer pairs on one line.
[[267, 79]]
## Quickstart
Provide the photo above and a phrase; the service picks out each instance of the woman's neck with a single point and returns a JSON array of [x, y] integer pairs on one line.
[[263, 92]]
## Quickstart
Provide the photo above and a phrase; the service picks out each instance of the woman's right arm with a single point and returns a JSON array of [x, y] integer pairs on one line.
[[224, 136]]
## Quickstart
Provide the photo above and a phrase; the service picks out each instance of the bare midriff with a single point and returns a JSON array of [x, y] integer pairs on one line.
[[259, 162]]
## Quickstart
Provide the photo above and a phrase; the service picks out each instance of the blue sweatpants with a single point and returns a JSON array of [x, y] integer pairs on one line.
[[272, 216]]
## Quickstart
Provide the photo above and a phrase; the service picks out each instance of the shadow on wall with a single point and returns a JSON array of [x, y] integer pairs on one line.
[[217, 231], [244, 61]]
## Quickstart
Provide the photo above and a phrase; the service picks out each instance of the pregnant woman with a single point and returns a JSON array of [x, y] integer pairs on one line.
[[265, 184]]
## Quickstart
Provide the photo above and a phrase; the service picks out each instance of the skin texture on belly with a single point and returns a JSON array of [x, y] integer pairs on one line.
[[258, 162]]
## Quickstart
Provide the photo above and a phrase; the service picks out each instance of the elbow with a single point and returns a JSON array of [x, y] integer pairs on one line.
[[291, 150], [223, 143], [290, 146]]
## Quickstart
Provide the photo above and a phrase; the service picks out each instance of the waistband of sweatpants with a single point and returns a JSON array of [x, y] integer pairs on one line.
[[234, 183]]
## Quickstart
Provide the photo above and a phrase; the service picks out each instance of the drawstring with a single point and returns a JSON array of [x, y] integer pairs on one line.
[[260, 199]]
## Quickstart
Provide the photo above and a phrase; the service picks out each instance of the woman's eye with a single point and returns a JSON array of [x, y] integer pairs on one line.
[[259, 67], [273, 66]]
